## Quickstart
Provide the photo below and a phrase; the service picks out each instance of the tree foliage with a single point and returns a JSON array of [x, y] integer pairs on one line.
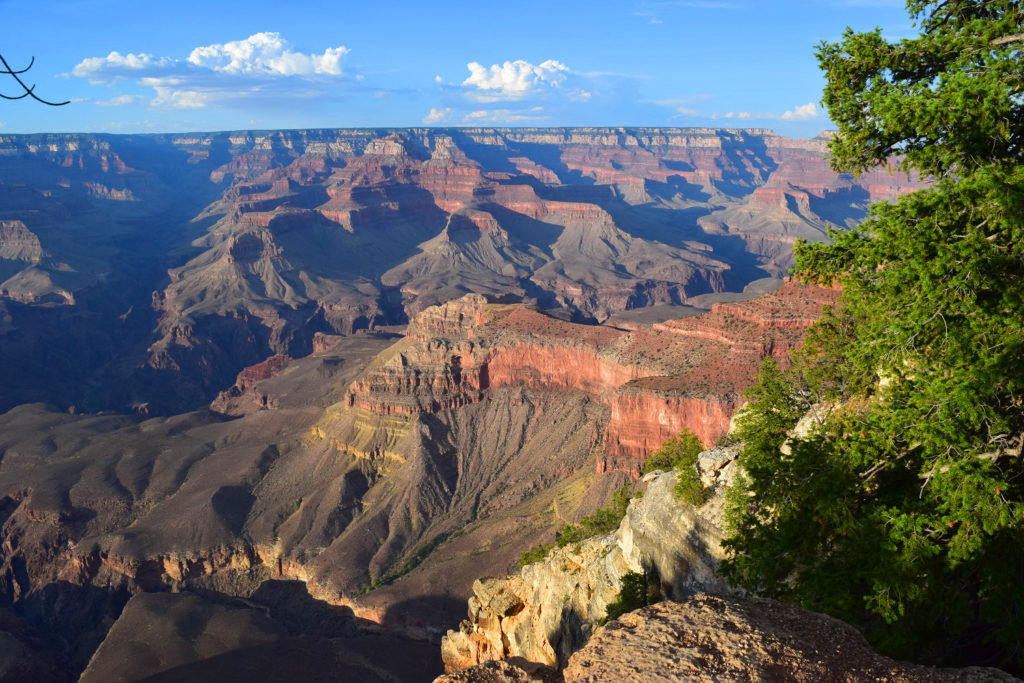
[[900, 508], [638, 590], [680, 453]]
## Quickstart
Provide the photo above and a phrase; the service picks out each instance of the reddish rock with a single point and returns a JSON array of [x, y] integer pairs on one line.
[[242, 395], [682, 374]]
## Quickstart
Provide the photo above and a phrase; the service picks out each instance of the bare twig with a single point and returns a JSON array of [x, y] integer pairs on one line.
[[1015, 38], [29, 90]]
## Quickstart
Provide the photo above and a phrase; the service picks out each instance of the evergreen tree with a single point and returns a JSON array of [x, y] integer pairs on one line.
[[900, 510]]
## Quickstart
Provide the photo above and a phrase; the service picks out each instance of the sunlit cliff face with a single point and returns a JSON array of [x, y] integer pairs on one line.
[[681, 374]]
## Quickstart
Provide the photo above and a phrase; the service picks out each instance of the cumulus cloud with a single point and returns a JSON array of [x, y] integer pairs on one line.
[[266, 53], [437, 115], [514, 80], [550, 90], [802, 112], [262, 66], [116, 66]]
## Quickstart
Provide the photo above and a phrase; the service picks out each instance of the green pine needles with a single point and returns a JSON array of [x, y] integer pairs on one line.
[[900, 508], [680, 453]]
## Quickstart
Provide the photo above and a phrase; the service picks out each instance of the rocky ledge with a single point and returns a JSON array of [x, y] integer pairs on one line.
[[723, 638], [733, 638], [551, 608]]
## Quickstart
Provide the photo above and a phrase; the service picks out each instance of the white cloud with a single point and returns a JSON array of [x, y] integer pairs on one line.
[[437, 115], [116, 66], [802, 112], [550, 90], [266, 53], [263, 66], [504, 116], [514, 80], [121, 100]]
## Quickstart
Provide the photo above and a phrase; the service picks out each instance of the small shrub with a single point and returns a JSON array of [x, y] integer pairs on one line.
[[680, 453], [638, 590], [535, 554], [689, 487], [603, 521]]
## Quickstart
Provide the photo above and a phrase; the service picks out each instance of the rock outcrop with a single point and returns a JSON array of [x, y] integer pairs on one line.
[[732, 638], [551, 608], [715, 637]]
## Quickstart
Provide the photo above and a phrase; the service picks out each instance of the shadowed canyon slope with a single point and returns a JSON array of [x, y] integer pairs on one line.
[[386, 473], [144, 272]]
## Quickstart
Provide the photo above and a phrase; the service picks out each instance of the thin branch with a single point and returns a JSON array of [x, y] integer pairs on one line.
[[1015, 38], [29, 90], [8, 71]]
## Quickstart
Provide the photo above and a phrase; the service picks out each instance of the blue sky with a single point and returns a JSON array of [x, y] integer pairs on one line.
[[157, 66]]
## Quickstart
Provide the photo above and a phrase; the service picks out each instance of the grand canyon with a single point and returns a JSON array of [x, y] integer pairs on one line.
[[299, 390]]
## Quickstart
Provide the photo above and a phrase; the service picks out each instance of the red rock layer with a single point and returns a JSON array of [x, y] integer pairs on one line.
[[682, 374]]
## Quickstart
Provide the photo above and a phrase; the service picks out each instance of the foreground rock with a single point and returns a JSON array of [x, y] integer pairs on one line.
[[731, 638], [550, 609], [503, 671], [722, 638]]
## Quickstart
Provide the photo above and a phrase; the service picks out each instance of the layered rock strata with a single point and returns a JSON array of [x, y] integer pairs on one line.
[[200, 254], [551, 608], [383, 473], [681, 374]]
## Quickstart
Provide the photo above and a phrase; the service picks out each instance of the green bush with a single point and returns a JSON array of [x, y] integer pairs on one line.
[[535, 554], [602, 522], [675, 453], [689, 487], [638, 590], [680, 454]]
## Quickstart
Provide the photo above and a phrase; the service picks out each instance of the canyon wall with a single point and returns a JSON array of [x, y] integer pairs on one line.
[[656, 381], [171, 262], [550, 609]]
